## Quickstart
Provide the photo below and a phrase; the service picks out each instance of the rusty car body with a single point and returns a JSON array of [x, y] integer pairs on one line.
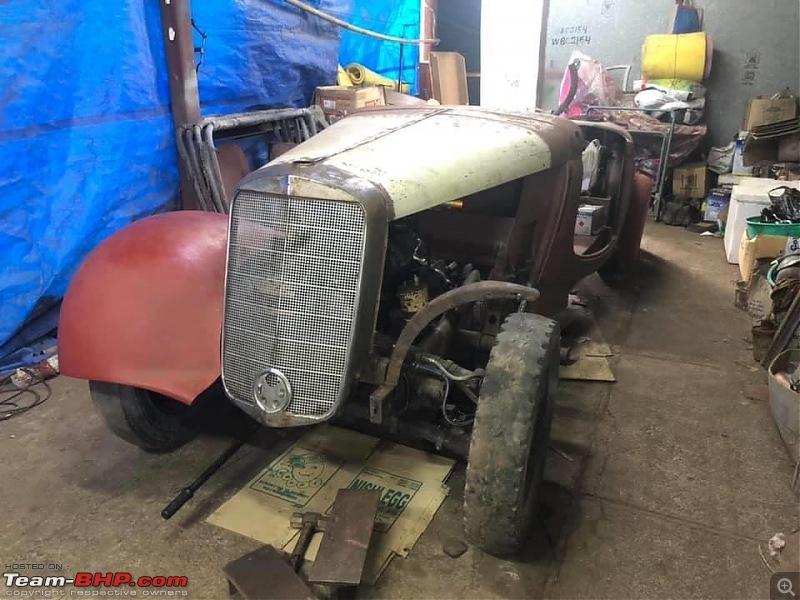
[[384, 274]]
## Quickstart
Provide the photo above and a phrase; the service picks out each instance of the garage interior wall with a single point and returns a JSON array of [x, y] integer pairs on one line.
[[756, 46], [511, 48]]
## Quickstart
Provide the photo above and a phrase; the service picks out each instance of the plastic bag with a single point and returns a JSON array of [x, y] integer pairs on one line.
[[596, 87], [591, 161], [687, 113], [720, 158], [686, 18], [680, 89], [785, 206], [652, 99]]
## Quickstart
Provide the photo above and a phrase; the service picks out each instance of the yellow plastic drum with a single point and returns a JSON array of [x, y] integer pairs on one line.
[[685, 56]]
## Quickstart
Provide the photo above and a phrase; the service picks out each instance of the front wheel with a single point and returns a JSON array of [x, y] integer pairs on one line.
[[511, 433], [151, 421]]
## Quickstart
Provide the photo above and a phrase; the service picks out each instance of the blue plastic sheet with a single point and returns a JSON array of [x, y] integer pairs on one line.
[[86, 140], [399, 18]]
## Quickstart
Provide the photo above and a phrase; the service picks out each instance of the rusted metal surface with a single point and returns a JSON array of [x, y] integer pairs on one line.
[[481, 291], [449, 441], [558, 267], [343, 551], [264, 574], [145, 308], [309, 523], [176, 27], [233, 166], [214, 174], [312, 120], [784, 333], [525, 231]]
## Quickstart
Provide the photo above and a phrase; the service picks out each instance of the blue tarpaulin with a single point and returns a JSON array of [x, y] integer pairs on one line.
[[86, 138], [398, 18]]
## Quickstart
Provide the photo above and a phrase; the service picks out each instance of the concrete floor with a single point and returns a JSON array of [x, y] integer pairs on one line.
[[666, 482]]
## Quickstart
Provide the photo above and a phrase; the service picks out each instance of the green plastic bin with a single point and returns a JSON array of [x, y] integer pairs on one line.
[[756, 227]]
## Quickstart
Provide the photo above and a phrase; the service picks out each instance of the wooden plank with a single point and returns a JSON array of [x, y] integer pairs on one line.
[[449, 77], [176, 27]]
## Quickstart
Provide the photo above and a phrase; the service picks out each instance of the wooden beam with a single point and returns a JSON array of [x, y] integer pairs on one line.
[[176, 27]]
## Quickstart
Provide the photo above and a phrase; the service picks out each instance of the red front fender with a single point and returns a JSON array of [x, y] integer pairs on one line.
[[145, 308]]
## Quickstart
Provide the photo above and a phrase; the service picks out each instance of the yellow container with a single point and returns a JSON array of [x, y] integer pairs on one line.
[[361, 75], [342, 78], [685, 56]]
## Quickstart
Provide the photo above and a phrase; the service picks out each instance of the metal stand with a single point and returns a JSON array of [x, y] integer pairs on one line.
[[197, 150]]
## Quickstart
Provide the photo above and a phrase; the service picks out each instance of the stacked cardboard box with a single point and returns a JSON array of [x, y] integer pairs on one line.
[[772, 141]]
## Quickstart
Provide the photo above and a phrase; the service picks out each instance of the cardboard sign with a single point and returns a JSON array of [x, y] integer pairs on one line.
[[308, 476], [396, 493], [297, 476]]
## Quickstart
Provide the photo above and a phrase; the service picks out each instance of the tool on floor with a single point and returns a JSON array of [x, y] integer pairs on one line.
[[263, 574], [308, 523], [188, 492], [343, 551]]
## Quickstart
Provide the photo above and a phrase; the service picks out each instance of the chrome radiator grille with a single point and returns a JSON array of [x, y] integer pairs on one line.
[[294, 272]]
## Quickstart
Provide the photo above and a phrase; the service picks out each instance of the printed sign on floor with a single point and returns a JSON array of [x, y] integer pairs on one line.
[[297, 476], [396, 492]]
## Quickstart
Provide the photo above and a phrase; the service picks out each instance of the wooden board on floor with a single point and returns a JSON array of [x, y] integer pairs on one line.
[[593, 363]]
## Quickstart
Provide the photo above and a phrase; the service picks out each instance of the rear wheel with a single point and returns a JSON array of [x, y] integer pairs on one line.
[[510, 434], [151, 421]]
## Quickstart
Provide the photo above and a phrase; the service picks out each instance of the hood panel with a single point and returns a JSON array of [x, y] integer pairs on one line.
[[423, 157]]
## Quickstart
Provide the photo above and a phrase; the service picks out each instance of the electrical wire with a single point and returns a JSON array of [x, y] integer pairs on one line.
[[15, 401], [446, 376], [447, 373], [345, 25], [199, 50]]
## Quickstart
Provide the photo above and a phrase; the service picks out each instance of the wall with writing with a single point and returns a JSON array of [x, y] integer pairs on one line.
[[756, 47]]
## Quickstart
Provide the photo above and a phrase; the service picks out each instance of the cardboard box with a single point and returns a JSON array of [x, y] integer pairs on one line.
[[762, 111], [339, 101], [764, 142], [717, 204], [449, 78], [690, 181], [590, 220], [761, 246]]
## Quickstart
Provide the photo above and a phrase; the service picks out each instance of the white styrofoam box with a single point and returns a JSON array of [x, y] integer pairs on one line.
[[729, 179], [748, 199]]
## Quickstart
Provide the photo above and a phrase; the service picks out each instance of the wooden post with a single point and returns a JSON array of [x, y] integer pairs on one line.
[[176, 26]]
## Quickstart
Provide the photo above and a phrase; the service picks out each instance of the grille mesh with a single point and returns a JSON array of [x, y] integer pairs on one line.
[[294, 269]]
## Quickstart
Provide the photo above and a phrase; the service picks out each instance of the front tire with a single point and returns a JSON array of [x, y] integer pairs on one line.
[[511, 433], [145, 419]]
